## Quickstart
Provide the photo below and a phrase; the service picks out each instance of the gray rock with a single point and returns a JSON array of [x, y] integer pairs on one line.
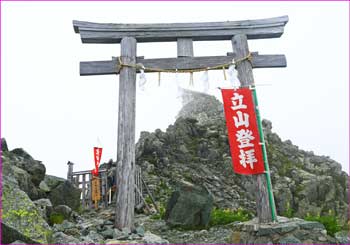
[[308, 225], [126, 230], [20, 219], [108, 233], [151, 238], [196, 147], [63, 210], [61, 238], [52, 181], [22, 153], [70, 198], [342, 237], [86, 240], [120, 235], [44, 187], [26, 162], [94, 236], [114, 241], [57, 228], [140, 231], [266, 231], [66, 225], [289, 240], [45, 207], [285, 231], [263, 240], [189, 206], [18, 242], [25, 182], [285, 228], [108, 222]]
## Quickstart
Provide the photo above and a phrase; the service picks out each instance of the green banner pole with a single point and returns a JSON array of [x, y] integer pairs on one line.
[[266, 163]]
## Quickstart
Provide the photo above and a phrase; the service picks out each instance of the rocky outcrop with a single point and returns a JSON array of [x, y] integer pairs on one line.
[[285, 231], [189, 207], [55, 186], [18, 167], [21, 220], [30, 176], [26, 162], [195, 149], [27, 198]]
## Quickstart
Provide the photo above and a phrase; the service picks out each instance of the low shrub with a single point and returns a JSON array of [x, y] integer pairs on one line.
[[226, 216], [56, 218], [330, 222]]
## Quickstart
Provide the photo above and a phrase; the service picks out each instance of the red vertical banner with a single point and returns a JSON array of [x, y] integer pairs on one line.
[[243, 131], [97, 159]]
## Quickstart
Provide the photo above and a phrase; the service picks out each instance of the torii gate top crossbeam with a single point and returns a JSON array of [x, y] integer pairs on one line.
[[205, 31]]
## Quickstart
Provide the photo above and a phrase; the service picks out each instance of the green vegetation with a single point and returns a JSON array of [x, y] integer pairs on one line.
[[161, 213], [148, 200], [330, 222], [56, 218], [226, 216], [289, 211]]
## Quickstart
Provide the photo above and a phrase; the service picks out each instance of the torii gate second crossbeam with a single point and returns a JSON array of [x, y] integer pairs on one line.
[[184, 34]]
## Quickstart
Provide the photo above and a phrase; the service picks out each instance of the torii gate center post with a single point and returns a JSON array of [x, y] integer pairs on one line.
[[184, 34]]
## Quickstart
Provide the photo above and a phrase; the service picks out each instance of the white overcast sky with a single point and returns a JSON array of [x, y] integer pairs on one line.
[[56, 115]]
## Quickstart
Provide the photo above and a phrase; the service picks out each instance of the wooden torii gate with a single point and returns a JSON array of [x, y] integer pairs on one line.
[[184, 34]]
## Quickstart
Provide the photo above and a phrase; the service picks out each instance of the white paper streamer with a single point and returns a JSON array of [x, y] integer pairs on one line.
[[233, 76], [178, 87], [205, 80], [142, 80]]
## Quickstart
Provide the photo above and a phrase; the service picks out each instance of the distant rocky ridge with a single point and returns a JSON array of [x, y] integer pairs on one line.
[[195, 149]]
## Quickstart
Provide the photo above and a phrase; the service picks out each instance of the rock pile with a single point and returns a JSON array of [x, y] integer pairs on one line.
[[30, 198], [195, 149], [285, 231]]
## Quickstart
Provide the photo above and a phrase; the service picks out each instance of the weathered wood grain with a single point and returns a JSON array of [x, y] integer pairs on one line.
[[77, 173], [83, 191], [184, 47], [125, 201], [108, 67], [206, 31], [245, 75], [90, 190], [70, 171]]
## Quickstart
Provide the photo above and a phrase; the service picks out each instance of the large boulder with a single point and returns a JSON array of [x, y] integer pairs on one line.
[[21, 220], [189, 206], [65, 193]]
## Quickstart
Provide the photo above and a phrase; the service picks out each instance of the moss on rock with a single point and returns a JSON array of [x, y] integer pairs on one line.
[[21, 217]]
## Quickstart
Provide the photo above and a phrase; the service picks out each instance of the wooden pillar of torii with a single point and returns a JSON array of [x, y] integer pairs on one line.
[[184, 34]]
